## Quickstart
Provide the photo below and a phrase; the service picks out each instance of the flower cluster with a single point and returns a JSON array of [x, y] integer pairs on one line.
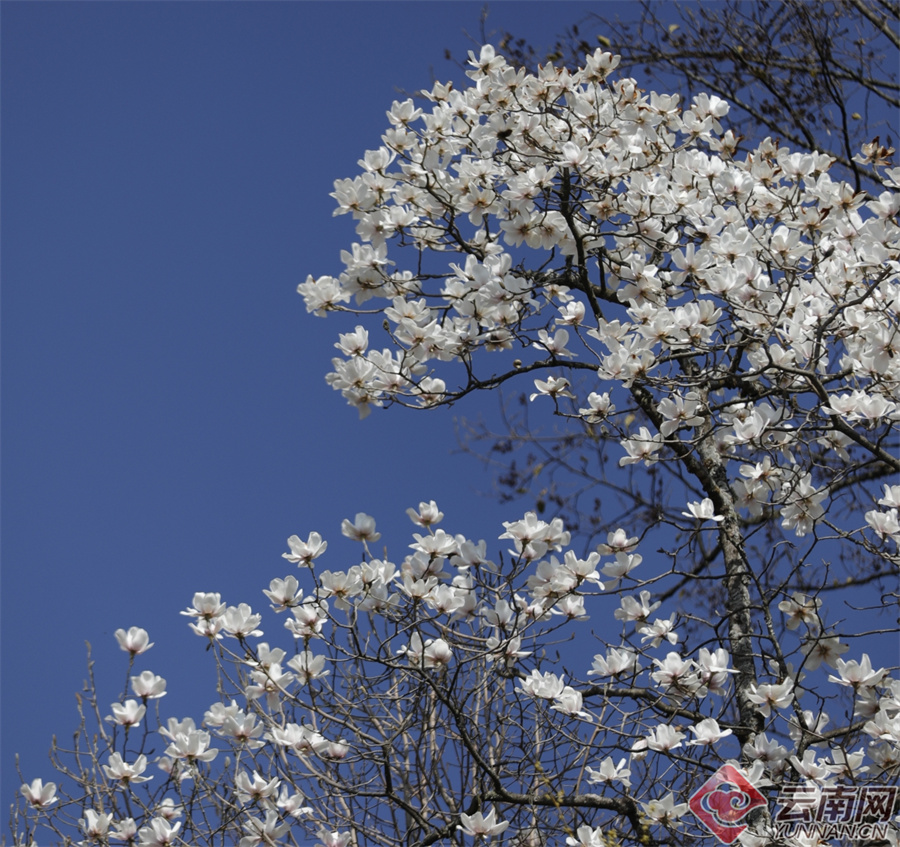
[[445, 614], [748, 302]]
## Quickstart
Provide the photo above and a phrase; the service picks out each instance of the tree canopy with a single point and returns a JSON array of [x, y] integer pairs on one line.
[[816, 76]]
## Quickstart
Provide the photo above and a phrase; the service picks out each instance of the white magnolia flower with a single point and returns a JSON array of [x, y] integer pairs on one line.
[[159, 833], [119, 770], [482, 826], [148, 685], [815, 770], [304, 552], [554, 387], [254, 788], [361, 529], [703, 511], [307, 667], [569, 702], [664, 811], [134, 641], [125, 830], [333, 838], [265, 831], [206, 605], [192, 746], [822, 649], [609, 772], [241, 622], [545, 685], [642, 448], [427, 515], [617, 661], [636, 609], [767, 752], [801, 609], [658, 631], [284, 593], [708, 732], [857, 674], [664, 738], [617, 542], [779, 695], [587, 837], [38, 794], [95, 825], [128, 714]]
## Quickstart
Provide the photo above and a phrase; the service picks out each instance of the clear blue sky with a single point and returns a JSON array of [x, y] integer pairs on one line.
[[165, 421]]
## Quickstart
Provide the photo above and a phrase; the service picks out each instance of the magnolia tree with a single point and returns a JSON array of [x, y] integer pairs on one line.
[[820, 75], [727, 327]]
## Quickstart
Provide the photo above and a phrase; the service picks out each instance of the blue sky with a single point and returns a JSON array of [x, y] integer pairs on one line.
[[165, 420]]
